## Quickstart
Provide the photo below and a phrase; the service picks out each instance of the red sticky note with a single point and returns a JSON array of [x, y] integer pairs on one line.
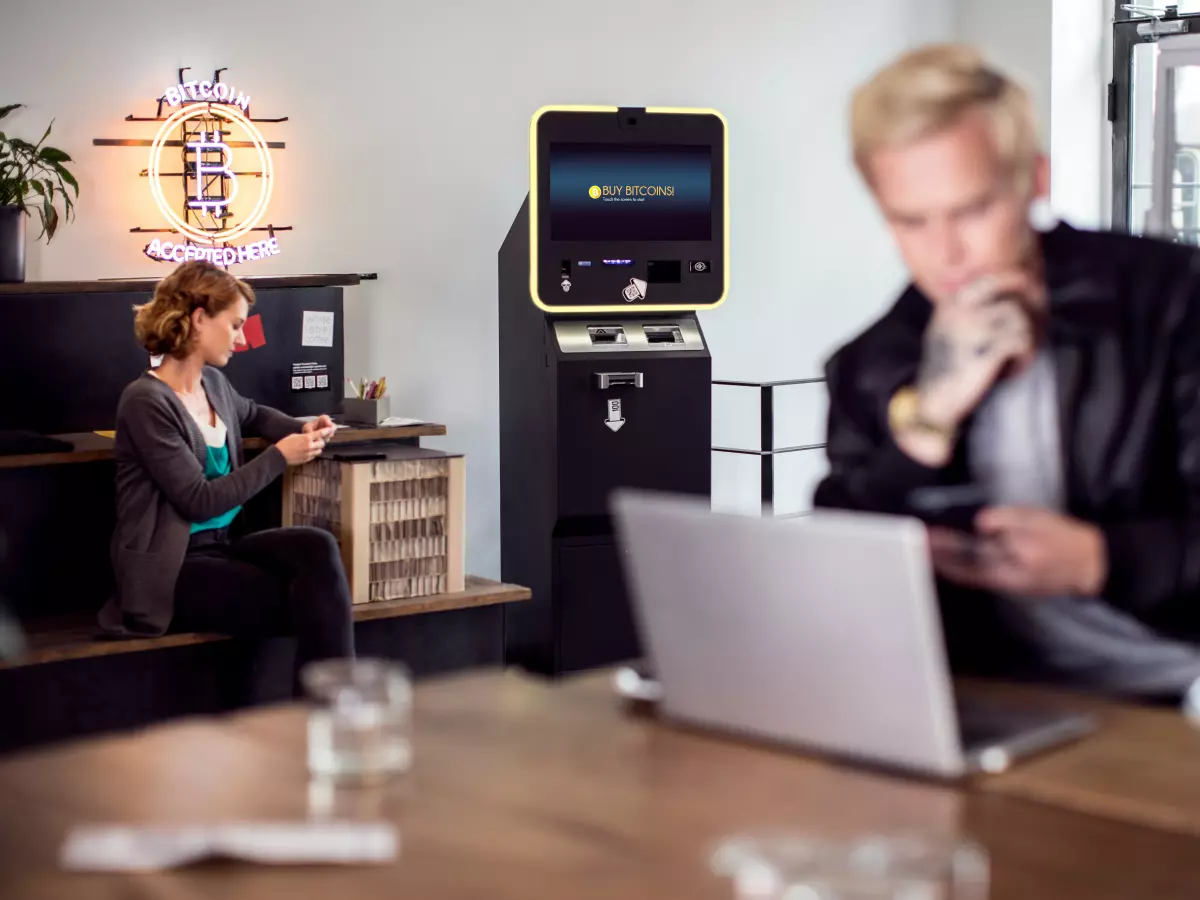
[[254, 334]]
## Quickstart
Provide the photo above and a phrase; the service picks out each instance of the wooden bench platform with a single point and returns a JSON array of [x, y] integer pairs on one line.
[[88, 446], [77, 638]]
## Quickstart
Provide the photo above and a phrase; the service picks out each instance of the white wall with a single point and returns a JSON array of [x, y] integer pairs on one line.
[[1060, 50], [1016, 36], [407, 157], [1081, 139]]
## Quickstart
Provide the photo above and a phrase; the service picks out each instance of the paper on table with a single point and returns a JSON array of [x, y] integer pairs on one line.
[[399, 422], [142, 848]]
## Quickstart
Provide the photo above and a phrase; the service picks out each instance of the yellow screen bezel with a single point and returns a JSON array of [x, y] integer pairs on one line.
[[533, 213]]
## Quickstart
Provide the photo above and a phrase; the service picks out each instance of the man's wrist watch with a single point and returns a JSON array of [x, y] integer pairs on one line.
[[904, 414]]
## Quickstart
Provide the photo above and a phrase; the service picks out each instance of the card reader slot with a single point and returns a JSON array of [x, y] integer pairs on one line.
[[607, 334]]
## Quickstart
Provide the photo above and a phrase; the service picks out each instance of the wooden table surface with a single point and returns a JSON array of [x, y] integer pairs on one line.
[[526, 789], [1142, 767]]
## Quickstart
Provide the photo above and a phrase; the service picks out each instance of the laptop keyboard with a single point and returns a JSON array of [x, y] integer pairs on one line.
[[984, 725]]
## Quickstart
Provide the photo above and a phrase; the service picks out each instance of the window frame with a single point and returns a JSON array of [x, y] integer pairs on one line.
[[1125, 38]]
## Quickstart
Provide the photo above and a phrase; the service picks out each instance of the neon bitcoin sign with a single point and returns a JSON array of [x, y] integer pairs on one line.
[[206, 91], [168, 251], [210, 174], [211, 183]]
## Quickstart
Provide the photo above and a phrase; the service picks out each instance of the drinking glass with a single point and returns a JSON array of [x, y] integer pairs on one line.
[[876, 867], [359, 723]]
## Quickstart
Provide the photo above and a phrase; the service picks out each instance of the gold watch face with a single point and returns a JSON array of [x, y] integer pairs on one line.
[[902, 411]]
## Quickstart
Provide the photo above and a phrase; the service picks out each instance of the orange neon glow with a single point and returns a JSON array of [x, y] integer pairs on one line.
[[176, 119]]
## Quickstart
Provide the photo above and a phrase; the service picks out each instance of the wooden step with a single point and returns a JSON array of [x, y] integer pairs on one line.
[[88, 446], [76, 638]]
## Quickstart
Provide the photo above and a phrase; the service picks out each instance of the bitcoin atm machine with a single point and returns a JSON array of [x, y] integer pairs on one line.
[[605, 376]]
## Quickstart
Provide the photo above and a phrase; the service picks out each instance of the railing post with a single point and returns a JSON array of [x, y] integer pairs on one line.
[[766, 433], [766, 427]]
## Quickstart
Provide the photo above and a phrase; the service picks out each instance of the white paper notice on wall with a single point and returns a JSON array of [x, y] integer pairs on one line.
[[318, 329]]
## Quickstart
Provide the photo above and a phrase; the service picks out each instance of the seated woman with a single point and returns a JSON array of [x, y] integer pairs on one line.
[[181, 480]]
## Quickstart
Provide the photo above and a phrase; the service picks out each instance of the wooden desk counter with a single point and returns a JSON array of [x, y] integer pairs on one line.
[[526, 789], [147, 285], [91, 447]]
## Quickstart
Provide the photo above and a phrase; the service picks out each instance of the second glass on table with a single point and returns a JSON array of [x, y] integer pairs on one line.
[[876, 867]]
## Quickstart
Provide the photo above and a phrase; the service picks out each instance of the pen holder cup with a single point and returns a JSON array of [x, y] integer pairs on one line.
[[365, 412]]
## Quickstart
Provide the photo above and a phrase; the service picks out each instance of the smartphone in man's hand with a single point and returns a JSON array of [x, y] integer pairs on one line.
[[953, 506]]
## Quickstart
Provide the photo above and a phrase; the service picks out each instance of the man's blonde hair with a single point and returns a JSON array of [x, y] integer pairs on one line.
[[929, 89]]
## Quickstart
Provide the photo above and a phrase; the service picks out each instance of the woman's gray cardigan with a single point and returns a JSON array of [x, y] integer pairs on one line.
[[161, 489]]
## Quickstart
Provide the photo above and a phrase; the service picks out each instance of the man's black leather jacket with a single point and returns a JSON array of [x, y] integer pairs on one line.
[[1124, 331]]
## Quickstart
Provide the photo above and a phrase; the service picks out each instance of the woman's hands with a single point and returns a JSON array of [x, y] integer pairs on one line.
[[300, 448], [322, 425]]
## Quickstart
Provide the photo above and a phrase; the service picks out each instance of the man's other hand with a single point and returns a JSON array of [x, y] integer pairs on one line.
[[1024, 551]]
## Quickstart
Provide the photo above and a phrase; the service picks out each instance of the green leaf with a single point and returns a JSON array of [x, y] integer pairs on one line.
[[44, 136], [37, 186], [5, 110], [49, 219], [67, 177], [53, 155]]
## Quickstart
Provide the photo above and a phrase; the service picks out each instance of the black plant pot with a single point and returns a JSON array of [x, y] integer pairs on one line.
[[12, 244]]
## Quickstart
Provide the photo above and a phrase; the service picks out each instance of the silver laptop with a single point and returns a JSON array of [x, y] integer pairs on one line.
[[820, 632]]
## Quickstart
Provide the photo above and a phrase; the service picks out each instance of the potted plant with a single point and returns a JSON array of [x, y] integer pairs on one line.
[[33, 178]]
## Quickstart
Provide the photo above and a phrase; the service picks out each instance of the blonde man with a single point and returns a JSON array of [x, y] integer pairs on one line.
[[1055, 376]]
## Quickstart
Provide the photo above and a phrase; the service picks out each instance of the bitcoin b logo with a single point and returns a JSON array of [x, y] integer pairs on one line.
[[210, 183], [213, 195], [594, 192]]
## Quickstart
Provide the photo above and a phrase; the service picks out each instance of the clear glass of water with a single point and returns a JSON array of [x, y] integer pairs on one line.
[[359, 724], [876, 867]]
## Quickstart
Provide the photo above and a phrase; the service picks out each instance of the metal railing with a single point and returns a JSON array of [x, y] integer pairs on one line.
[[767, 450]]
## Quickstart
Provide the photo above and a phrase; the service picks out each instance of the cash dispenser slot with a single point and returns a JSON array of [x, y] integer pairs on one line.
[[663, 334], [606, 380]]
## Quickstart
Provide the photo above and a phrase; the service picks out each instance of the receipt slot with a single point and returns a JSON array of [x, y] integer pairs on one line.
[[605, 375]]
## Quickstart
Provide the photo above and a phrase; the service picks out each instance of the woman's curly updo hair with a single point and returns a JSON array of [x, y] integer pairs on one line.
[[164, 325]]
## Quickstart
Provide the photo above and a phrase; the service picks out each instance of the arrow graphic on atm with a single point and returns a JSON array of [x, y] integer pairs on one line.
[[614, 420]]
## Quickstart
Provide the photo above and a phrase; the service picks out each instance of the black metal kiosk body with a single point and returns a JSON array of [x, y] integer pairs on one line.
[[604, 370]]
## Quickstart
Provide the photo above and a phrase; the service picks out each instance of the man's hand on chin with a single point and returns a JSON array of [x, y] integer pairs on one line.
[[1027, 551]]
